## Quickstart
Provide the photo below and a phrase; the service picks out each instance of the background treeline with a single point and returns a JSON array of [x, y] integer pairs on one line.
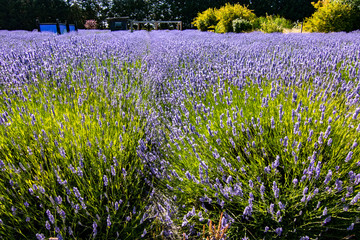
[[329, 16], [21, 14]]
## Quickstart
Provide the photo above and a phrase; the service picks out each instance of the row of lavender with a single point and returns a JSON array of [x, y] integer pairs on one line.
[[129, 135]]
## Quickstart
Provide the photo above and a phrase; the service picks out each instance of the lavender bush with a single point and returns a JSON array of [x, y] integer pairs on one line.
[[144, 135], [266, 133], [68, 153]]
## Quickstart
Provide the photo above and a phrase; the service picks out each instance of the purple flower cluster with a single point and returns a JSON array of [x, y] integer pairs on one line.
[[119, 130], [251, 112]]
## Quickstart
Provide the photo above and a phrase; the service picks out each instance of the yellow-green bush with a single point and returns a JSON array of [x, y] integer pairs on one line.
[[206, 20], [270, 24], [332, 16], [221, 19], [241, 25], [226, 14]]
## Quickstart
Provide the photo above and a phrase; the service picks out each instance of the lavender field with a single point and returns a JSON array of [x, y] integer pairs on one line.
[[152, 135]]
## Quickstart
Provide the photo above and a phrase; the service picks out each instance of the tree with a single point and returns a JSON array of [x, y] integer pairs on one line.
[[289, 9], [90, 9], [2, 14], [49, 10], [333, 16], [16, 14], [21, 14], [75, 14], [135, 9]]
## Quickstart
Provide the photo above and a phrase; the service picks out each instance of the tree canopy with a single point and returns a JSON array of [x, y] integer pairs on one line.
[[21, 14]]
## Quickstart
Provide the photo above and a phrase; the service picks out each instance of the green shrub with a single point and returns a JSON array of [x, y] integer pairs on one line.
[[226, 14], [241, 25], [271, 24], [256, 23], [355, 16], [270, 27], [221, 19], [333, 16], [205, 20]]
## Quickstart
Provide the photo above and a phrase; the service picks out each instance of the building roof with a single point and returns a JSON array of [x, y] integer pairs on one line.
[[117, 18]]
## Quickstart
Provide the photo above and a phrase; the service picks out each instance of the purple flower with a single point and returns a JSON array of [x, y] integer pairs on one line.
[[247, 210], [188, 175], [271, 208], [295, 181], [278, 213], [124, 172], [144, 233], [113, 172], [184, 223], [320, 139], [229, 179], [251, 184], [327, 220], [325, 212], [311, 132], [355, 144], [191, 213], [62, 214], [278, 231], [76, 192], [328, 177], [338, 185], [272, 123], [275, 190], [62, 152], [108, 221], [94, 225], [286, 139], [305, 190], [349, 156], [40, 236], [355, 199], [357, 179], [47, 225], [327, 132], [262, 189], [58, 200], [70, 231], [356, 113], [50, 216], [105, 179], [351, 227]]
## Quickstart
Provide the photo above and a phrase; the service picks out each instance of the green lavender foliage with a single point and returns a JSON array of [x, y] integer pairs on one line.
[[69, 148], [257, 146]]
